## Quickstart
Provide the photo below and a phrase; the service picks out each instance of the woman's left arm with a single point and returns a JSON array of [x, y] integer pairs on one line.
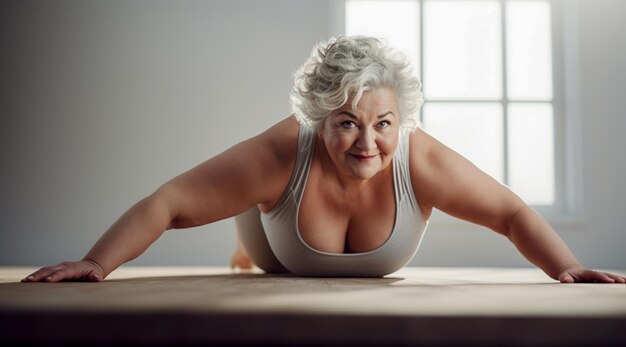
[[445, 180], [542, 246]]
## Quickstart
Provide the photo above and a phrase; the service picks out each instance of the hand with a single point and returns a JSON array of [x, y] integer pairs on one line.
[[581, 274], [84, 270]]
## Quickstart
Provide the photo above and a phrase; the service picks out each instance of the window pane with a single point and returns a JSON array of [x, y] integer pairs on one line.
[[531, 152], [472, 129], [462, 50], [529, 55], [396, 21]]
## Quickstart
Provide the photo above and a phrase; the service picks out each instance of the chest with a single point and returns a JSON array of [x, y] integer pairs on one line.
[[329, 220]]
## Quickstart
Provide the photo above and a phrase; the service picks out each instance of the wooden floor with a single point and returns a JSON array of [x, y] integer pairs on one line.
[[214, 306]]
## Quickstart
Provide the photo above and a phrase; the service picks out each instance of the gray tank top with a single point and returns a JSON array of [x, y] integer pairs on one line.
[[283, 235]]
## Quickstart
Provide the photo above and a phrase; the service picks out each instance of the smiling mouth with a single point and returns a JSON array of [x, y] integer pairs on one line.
[[363, 157]]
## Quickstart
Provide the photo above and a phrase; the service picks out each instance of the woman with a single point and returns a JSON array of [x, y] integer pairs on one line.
[[344, 187]]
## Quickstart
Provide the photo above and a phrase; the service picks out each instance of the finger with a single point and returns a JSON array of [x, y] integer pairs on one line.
[[566, 278], [63, 271], [73, 271], [29, 278], [599, 276], [605, 278], [617, 278], [56, 276], [94, 277], [41, 274]]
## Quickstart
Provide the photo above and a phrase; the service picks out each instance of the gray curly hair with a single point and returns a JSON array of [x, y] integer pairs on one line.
[[348, 66]]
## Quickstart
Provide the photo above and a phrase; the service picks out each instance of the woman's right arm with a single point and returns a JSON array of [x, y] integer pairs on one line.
[[125, 240], [255, 171]]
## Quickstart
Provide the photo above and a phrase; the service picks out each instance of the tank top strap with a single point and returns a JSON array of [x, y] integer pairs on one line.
[[306, 137], [402, 173], [300, 173]]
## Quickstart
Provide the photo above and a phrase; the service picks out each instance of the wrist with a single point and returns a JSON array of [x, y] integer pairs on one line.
[[566, 267], [97, 265]]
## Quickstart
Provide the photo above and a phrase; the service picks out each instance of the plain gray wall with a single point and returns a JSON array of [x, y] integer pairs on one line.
[[103, 101]]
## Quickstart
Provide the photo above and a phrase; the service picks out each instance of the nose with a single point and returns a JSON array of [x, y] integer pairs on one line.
[[366, 140]]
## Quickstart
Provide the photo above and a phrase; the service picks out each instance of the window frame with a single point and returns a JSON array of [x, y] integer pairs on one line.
[[568, 209]]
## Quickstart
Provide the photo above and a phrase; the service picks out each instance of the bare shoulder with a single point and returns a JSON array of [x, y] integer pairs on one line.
[[253, 172], [424, 152], [445, 180], [282, 139], [281, 142], [433, 167]]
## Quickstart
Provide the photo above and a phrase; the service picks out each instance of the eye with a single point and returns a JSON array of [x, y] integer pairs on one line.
[[383, 124], [347, 124]]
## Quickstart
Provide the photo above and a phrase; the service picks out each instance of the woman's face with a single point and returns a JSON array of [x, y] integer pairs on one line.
[[361, 142]]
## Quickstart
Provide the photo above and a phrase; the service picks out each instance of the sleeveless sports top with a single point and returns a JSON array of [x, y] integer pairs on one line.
[[283, 235]]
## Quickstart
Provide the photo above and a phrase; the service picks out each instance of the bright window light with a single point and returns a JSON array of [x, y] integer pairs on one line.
[[393, 20], [472, 129], [503, 121], [529, 50], [531, 154], [462, 50]]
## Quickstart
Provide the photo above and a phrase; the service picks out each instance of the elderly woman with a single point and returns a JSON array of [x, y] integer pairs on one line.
[[343, 187]]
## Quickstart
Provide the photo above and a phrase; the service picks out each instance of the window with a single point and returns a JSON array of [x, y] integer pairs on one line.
[[489, 84]]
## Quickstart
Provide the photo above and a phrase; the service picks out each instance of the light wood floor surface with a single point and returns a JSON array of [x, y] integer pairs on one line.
[[415, 306]]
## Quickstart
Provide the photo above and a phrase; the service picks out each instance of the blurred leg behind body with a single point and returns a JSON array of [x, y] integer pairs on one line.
[[252, 246]]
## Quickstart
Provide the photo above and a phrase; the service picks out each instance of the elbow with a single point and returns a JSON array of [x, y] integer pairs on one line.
[[162, 200], [511, 220]]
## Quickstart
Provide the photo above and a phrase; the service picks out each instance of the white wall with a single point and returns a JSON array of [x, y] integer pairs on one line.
[[101, 102], [603, 79]]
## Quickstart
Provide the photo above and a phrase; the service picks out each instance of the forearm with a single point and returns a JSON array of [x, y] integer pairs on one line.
[[539, 243], [131, 234]]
